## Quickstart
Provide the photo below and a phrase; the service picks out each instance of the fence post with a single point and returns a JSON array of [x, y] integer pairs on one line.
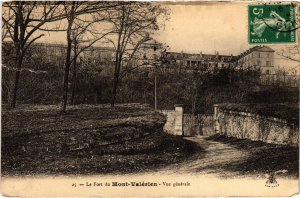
[[216, 118], [178, 119]]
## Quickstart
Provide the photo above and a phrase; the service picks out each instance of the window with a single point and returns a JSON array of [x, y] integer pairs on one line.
[[258, 62], [216, 66], [188, 63], [268, 63], [268, 55], [258, 55], [267, 71]]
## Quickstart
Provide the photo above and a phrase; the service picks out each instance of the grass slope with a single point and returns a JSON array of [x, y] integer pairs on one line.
[[39, 140]]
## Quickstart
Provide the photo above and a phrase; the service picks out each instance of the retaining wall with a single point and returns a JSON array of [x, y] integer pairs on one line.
[[120, 135], [255, 127]]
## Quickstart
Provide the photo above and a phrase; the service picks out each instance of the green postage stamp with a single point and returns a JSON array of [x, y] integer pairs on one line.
[[272, 24]]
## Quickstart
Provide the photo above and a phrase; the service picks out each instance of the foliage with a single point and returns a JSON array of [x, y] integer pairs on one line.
[[273, 94], [36, 87], [287, 111], [21, 20], [124, 25], [133, 24]]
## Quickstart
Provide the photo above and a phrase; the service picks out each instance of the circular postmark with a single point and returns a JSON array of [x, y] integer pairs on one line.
[[284, 21]]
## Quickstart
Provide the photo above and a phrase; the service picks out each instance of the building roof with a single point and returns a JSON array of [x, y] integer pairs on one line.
[[199, 57], [265, 49], [258, 48], [59, 45], [224, 58]]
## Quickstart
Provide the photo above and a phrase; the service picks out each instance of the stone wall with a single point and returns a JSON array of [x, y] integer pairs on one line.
[[192, 125], [178, 124], [255, 127], [174, 123], [170, 123]]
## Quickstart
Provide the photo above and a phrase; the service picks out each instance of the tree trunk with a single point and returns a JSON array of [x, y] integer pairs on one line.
[[67, 70], [18, 61], [114, 93], [116, 75], [83, 96], [74, 80], [68, 59], [16, 84], [66, 79], [118, 60], [84, 85]]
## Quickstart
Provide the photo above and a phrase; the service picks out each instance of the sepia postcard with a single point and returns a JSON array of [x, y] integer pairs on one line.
[[150, 98]]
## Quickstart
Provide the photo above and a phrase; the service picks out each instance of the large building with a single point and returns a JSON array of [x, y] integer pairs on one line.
[[57, 52], [148, 55], [258, 57]]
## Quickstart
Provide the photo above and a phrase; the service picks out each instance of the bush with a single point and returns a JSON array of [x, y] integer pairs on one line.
[[286, 111]]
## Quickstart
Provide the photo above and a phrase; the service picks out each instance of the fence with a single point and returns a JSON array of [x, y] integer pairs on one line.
[[194, 125], [191, 125], [281, 80]]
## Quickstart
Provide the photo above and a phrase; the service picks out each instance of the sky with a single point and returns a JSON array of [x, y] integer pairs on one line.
[[207, 27], [210, 27], [202, 27], [198, 27]]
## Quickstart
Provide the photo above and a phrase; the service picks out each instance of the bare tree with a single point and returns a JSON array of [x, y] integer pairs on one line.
[[80, 27], [24, 22], [290, 53], [133, 23], [21, 22], [74, 73]]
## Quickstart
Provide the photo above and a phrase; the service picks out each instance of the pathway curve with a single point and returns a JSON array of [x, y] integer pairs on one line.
[[214, 158]]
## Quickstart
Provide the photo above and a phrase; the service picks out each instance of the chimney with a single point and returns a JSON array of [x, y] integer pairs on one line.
[[200, 54], [217, 54]]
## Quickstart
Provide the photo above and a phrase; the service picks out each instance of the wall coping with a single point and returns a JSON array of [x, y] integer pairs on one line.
[[257, 116], [178, 105]]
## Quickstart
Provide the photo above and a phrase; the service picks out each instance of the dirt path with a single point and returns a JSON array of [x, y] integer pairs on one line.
[[214, 159]]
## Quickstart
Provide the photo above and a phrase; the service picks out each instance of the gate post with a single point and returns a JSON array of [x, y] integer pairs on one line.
[[178, 119], [216, 118]]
